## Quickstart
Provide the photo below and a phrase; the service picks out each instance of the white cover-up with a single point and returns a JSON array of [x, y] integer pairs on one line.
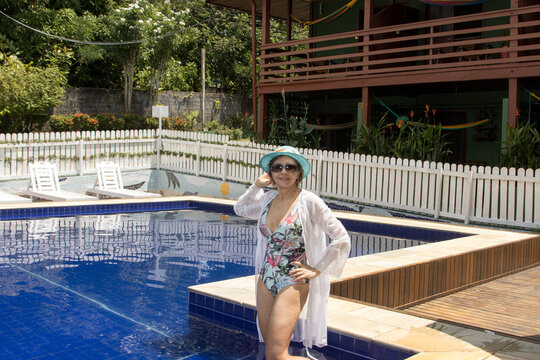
[[317, 221]]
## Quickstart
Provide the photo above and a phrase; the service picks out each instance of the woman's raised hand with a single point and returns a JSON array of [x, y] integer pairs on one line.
[[264, 180]]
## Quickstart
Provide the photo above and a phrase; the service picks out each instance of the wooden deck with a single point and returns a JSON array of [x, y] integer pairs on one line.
[[508, 305]]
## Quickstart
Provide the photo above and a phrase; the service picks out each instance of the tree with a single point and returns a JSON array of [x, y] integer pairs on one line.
[[27, 90], [163, 28], [126, 24]]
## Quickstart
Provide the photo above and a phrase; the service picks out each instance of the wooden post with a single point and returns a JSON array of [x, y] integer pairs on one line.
[[513, 101], [254, 66], [368, 10], [366, 105], [265, 39]]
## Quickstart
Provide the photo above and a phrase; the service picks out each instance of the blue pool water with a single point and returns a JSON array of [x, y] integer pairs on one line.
[[115, 286]]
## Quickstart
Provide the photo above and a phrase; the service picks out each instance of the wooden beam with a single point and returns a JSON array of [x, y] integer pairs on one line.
[[403, 78], [263, 116], [289, 24], [265, 22], [366, 105], [368, 12]]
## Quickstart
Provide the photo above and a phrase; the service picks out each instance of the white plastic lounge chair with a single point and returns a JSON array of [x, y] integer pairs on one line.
[[109, 183], [44, 184], [6, 198]]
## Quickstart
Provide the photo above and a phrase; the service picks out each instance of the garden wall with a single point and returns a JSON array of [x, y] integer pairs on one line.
[[218, 106]]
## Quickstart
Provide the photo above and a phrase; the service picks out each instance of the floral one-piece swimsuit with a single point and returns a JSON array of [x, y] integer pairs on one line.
[[283, 246]]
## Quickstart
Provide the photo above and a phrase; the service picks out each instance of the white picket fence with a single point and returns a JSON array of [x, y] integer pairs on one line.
[[464, 193]]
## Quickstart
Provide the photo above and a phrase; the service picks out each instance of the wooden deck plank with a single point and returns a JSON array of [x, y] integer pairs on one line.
[[509, 305]]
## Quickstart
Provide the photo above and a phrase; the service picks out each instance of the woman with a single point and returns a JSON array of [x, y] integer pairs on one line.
[[292, 260]]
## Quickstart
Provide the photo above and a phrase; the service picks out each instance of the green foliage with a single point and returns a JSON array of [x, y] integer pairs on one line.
[[27, 90], [185, 122], [291, 130], [84, 122], [182, 123], [133, 121], [235, 121], [212, 125], [107, 121], [233, 134], [60, 123], [522, 147], [401, 140], [151, 123], [165, 63]]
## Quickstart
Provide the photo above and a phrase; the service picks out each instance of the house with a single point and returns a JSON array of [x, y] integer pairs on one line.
[[469, 62]]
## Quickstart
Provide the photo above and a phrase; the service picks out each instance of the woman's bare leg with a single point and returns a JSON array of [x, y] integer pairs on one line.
[[265, 304], [282, 319]]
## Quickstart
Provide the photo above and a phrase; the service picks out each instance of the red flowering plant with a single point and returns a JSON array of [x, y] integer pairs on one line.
[[84, 122], [107, 121], [60, 122], [152, 123], [182, 123]]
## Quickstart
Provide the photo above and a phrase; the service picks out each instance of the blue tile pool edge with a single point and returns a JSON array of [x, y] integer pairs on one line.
[[390, 230], [243, 318]]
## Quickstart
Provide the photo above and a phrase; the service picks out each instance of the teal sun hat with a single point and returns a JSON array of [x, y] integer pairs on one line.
[[285, 151]]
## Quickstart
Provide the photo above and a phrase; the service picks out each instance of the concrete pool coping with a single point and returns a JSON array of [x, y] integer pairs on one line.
[[428, 338]]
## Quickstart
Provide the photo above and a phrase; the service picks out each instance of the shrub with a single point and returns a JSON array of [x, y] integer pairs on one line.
[[107, 121], [191, 119], [212, 125], [522, 147], [84, 122], [152, 123], [133, 121], [27, 91], [60, 122], [401, 140], [176, 123], [184, 123], [234, 122], [286, 129], [234, 134]]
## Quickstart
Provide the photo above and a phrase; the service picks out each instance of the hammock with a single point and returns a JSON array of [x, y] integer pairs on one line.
[[444, 127], [327, 18], [335, 127], [530, 93]]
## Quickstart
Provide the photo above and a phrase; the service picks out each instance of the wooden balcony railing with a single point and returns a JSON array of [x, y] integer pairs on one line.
[[502, 38]]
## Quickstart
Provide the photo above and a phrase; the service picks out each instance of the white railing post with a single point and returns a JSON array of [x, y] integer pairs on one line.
[[438, 191], [224, 166], [198, 163], [318, 178], [80, 152], [158, 153], [468, 198]]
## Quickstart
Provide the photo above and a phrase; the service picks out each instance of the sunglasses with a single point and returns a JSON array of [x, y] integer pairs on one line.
[[277, 168]]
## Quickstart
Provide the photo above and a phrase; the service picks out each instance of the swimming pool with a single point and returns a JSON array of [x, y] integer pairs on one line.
[[108, 285], [115, 286]]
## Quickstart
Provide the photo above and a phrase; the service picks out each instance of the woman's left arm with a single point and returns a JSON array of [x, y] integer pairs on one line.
[[336, 253]]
